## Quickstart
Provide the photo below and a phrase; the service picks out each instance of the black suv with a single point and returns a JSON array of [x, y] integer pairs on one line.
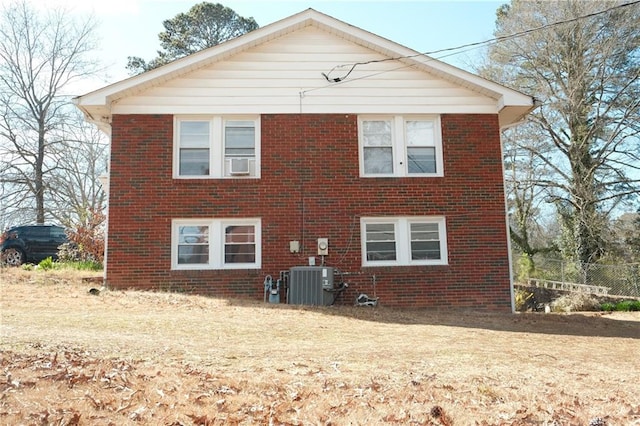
[[31, 243]]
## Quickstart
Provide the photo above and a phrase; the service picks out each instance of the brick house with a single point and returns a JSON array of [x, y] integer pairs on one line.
[[242, 160]]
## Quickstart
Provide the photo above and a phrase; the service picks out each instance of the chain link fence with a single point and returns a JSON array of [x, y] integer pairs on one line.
[[621, 279]]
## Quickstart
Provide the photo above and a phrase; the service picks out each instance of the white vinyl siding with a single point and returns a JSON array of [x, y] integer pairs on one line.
[[398, 241], [216, 244], [284, 76], [396, 146], [216, 147]]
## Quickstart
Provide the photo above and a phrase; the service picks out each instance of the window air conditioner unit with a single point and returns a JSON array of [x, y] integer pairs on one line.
[[239, 166]]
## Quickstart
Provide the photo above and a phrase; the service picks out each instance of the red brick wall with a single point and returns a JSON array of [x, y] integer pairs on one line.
[[310, 189]]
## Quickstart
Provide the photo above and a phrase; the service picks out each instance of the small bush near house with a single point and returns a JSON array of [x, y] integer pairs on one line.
[[86, 241], [608, 307]]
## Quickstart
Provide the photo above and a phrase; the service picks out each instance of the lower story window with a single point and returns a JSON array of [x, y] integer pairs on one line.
[[216, 244], [239, 244], [395, 241], [193, 245]]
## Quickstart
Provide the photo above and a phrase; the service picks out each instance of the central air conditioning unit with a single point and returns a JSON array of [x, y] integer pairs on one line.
[[310, 285]]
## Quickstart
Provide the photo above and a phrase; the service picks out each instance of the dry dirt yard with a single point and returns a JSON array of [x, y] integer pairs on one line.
[[132, 358]]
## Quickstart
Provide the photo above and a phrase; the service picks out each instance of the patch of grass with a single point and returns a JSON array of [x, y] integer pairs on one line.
[[46, 264], [134, 357], [83, 265], [49, 265], [624, 306]]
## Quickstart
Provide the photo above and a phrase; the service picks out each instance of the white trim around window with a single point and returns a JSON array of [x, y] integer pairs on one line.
[[213, 147], [216, 244], [398, 146], [398, 241]]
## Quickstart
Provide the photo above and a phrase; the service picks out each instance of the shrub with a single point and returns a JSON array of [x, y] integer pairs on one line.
[[86, 240], [46, 264], [624, 306], [608, 307], [634, 305], [628, 305]]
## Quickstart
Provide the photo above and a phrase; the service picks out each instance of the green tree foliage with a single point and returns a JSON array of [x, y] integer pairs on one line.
[[586, 74], [82, 157], [205, 25]]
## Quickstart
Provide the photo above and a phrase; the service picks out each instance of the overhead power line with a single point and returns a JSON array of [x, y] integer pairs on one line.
[[472, 45]]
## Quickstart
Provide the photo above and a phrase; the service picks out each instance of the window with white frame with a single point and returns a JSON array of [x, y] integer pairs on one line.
[[194, 152], [400, 146], [216, 244], [395, 241], [216, 147]]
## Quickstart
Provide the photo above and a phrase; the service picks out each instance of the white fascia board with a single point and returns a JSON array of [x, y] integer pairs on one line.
[[511, 105], [108, 94], [505, 95], [97, 104]]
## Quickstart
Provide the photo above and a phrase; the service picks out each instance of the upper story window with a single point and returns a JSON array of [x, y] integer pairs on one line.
[[400, 146], [216, 244], [395, 241], [216, 147]]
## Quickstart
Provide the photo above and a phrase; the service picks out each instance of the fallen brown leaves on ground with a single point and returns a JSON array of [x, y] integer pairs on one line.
[[131, 358]]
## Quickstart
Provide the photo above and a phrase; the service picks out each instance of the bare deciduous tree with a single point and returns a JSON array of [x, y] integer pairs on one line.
[[75, 191], [586, 73], [41, 53], [528, 222]]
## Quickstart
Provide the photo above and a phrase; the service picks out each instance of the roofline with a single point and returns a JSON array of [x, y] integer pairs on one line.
[[202, 58], [505, 96]]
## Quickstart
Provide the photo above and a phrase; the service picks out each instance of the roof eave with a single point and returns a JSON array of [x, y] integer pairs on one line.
[[137, 83], [96, 114], [511, 105], [513, 115]]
